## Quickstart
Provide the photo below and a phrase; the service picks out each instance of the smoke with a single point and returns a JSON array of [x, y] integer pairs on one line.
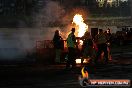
[[17, 43], [51, 13], [53, 17]]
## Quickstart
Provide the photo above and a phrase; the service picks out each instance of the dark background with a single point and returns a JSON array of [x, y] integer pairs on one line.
[[13, 12]]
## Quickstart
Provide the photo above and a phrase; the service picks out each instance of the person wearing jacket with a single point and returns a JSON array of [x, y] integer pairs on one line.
[[71, 44]]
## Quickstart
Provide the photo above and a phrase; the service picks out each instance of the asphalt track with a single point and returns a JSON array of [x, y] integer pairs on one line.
[[56, 76]]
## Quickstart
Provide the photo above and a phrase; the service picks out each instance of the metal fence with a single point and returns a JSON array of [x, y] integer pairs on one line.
[[46, 52]]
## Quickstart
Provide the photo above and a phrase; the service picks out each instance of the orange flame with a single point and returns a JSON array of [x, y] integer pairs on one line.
[[84, 73], [81, 26]]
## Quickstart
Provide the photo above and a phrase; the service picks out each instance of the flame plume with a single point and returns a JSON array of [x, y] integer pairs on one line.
[[81, 26]]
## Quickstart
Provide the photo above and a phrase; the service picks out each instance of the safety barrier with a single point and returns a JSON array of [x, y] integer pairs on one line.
[[46, 52]]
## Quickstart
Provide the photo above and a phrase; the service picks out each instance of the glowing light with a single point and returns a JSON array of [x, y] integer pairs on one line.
[[80, 25], [101, 2], [85, 61], [110, 2], [80, 42], [78, 61]]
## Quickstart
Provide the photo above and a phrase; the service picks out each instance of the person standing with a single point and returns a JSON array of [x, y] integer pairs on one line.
[[101, 40], [71, 44], [57, 41], [109, 36], [87, 47], [109, 43]]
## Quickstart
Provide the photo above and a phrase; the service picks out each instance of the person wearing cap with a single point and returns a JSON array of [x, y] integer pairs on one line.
[[71, 44]]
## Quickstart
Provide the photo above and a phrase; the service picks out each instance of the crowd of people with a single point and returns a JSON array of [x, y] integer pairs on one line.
[[92, 48]]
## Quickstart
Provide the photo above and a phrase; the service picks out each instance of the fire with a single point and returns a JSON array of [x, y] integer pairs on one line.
[[84, 73], [84, 78], [81, 26]]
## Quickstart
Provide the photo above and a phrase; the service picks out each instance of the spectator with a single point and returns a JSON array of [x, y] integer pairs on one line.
[[87, 47], [71, 44], [101, 40], [57, 41]]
